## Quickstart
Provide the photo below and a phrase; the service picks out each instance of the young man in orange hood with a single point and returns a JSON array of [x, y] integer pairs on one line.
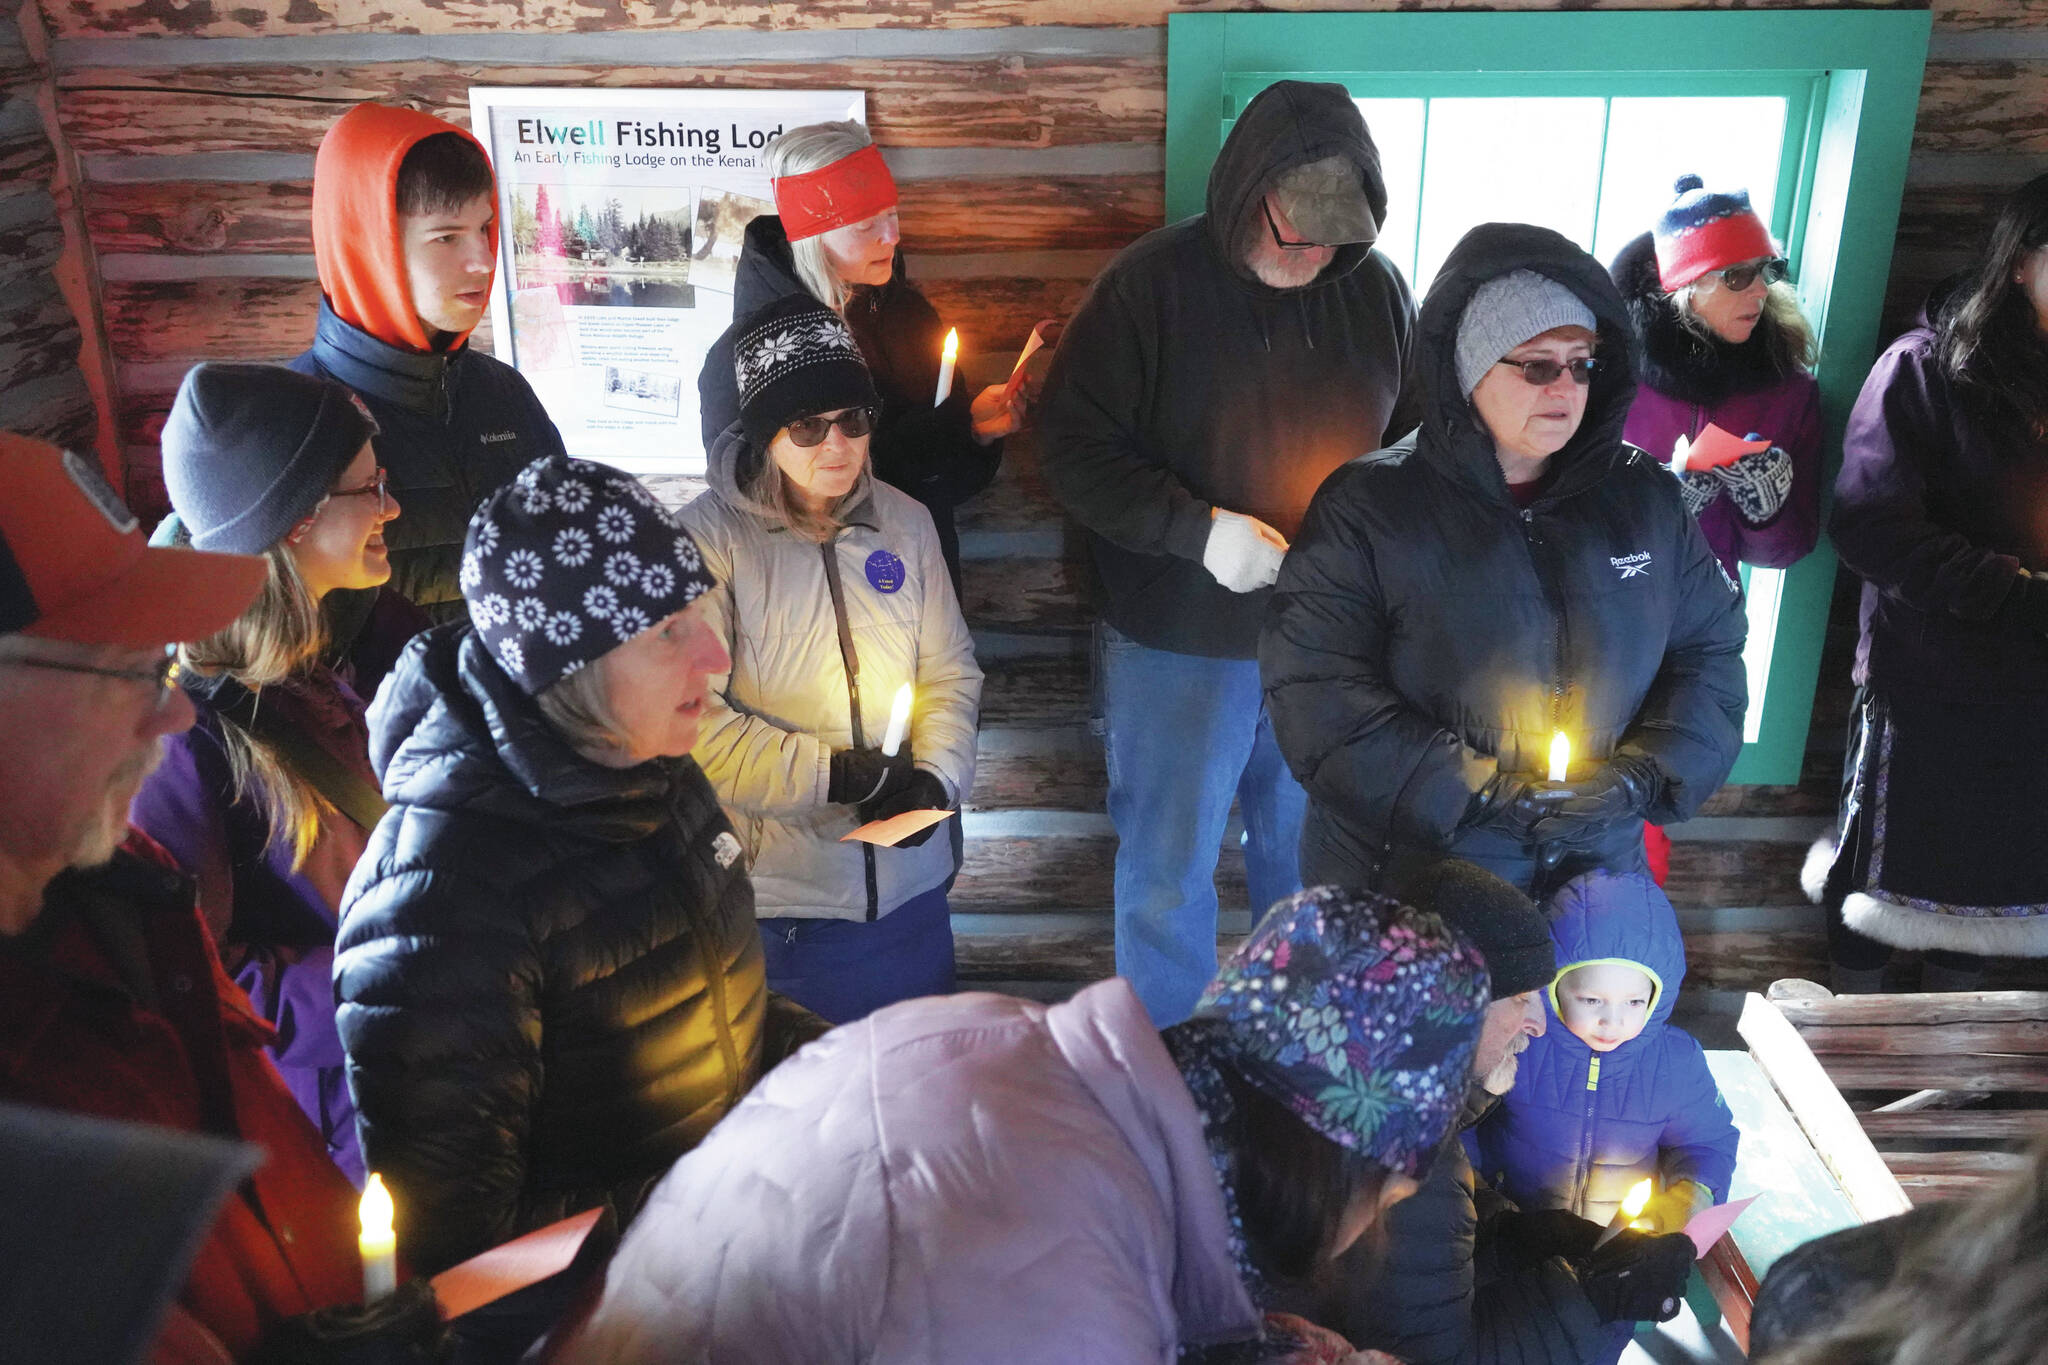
[[405, 230]]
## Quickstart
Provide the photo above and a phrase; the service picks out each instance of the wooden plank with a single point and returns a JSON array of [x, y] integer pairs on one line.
[[1733, 1285], [1955, 1163], [26, 157], [1055, 873], [2028, 1073], [1713, 874], [38, 335], [1744, 961], [1982, 107], [1009, 100], [950, 216], [1028, 593], [1958, 1007], [1948, 1189], [1040, 691], [1914, 1039], [2000, 1125], [1811, 797], [998, 314], [1990, 14], [1871, 1188], [31, 247]]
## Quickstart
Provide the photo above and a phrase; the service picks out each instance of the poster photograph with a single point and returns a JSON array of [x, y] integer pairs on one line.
[[620, 215]]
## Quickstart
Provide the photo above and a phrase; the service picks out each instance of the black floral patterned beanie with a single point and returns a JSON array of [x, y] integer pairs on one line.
[[568, 562]]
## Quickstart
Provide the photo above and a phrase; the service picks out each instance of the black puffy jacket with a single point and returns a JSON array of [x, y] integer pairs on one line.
[[1425, 633], [549, 976], [455, 426]]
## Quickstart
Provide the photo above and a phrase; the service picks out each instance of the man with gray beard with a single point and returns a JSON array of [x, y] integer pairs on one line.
[[1218, 370]]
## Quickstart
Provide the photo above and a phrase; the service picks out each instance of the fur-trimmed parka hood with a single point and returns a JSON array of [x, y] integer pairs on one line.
[[1682, 361]]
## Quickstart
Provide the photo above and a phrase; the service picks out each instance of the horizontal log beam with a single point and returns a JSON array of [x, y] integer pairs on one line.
[[1992, 106], [939, 216], [2027, 1073], [1006, 101], [1952, 1007], [1904, 1164], [2003, 1125], [1906, 1040]]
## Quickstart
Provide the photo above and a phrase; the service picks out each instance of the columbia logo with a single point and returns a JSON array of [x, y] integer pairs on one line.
[[1636, 565], [493, 437]]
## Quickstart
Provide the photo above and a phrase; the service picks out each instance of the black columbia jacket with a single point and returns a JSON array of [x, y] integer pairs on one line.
[[1425, 633], [1184, 384], [549, 975]]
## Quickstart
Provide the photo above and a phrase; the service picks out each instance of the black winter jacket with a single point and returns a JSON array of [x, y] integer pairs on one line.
[[549, 976], [928, 452], [1184, 384], [456, 426], [1425, 633]]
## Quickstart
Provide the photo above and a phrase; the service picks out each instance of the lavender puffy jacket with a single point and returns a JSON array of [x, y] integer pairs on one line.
[[961, 1179]]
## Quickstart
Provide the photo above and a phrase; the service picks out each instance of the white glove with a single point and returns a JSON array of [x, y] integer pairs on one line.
[[1242, 553]]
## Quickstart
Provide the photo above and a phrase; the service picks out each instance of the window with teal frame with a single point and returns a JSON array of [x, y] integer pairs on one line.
[[1583, 116]]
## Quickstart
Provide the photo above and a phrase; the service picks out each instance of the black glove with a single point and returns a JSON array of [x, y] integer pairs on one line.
[[925, 792], [403, 1328], [1758, 484], [1528, 1237], [1506, 805], [863, 775], [1639, 1276], [1582, 813]]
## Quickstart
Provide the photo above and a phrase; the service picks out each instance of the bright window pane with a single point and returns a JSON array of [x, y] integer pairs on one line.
[[1731, 142], [1507, 160], [1396, 127]]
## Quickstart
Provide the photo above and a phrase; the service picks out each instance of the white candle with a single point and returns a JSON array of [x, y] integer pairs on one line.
[[946, 359], [899, 721], [1631, 1208], [378, 1244], [1681, 451], [1560, 756]]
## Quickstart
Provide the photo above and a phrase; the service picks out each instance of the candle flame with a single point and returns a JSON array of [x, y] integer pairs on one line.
[[1560, 756], [952, 350], [1638, 1196], [375, 1210]]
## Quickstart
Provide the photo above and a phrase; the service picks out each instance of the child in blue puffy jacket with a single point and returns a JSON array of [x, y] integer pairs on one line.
[[1611, 1092]]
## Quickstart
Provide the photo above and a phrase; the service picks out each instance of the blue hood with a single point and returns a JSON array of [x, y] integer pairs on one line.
[[1603, 917]]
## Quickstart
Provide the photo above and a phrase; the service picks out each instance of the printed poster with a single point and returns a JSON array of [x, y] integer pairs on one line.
[[619, 221]]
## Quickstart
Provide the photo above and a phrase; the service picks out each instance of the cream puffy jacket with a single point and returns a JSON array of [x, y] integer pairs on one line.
[[776, 718]]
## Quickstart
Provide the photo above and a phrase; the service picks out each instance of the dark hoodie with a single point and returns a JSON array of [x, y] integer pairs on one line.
[[928, 452], [1425, 633], [455, 424], [1184, 384]]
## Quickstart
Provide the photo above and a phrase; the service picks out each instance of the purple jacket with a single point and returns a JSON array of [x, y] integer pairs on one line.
[[965, 1178]]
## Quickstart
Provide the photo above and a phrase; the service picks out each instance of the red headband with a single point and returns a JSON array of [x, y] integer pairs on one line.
[[850, 190]]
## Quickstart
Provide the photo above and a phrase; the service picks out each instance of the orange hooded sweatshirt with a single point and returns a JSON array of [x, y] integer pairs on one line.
[[357, 239]]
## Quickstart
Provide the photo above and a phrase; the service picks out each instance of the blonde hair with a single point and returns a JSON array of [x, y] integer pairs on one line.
[[812, 147], [279, 635], [580, 710], [1787, 333], [768, 488]]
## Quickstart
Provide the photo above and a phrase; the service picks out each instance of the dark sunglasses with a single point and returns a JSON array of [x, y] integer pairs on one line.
[[810, 431], [1741, 277], [1274, 228], [1544, 371]]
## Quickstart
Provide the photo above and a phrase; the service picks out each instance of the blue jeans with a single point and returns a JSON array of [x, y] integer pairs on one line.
[[1185, 734], [846, 969]]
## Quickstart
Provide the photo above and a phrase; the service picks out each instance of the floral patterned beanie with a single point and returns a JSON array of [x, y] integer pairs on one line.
[[1357, 1013], [568, 562]]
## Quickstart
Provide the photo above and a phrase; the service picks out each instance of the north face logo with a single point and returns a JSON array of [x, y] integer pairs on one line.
[[1636, 565], [725, 848]]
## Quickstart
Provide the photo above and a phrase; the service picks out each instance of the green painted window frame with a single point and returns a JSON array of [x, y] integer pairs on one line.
[[1838, 198]]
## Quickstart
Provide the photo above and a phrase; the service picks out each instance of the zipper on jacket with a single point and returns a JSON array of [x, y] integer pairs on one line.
[[850, 660], [1532, 540], [1584, 1182]]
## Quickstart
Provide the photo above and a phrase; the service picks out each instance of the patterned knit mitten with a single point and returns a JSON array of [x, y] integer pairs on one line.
[[1698, 487], [1759, 484]]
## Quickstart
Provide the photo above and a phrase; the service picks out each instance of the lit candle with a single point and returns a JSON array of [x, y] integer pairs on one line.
[[1681, 451], [1631, 1208], [899, 721], [378, 1244], [1560, 756], [946, 358]]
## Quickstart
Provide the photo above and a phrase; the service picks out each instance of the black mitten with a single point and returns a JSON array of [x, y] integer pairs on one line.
[[1528, 1237], [404, 1328], [1758, 484], [1639, 1276], [863, 775], [924, 792]]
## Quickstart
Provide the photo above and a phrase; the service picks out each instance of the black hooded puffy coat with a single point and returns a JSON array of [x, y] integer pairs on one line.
[[1425, 633], [549, 975]]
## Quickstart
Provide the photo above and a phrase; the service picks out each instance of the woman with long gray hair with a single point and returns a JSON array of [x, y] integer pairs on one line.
[[834, 237]]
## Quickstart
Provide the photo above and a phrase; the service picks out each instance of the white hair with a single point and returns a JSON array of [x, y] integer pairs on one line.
[[812, 147]]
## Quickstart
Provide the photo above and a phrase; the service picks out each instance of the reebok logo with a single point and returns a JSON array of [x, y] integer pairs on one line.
[[1636, 565], [490, 438]]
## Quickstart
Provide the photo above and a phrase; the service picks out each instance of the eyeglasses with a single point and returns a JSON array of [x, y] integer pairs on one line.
[[1545, 371], [162, 676], [378, 485], [810, 431], [1740, 277], [1274, 228]]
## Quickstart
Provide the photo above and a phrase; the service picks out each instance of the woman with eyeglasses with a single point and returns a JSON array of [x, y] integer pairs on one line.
[[1723, 341], [832, 594], [268, 801], [834, 238], [1512, 572]]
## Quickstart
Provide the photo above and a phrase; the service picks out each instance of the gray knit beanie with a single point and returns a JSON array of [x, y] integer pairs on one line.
[[1508, 310], [250, 450]]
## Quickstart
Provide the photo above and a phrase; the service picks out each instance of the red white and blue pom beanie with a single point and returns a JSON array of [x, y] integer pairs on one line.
[[1705, 230]]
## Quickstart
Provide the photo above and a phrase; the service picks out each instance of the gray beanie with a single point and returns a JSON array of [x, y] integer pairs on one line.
[[250, 450], [1508, 310]]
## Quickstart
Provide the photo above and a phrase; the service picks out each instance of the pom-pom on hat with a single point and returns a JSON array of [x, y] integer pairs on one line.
[[795, 358], [1705, 230], [1358, 1014], [568, 562]]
